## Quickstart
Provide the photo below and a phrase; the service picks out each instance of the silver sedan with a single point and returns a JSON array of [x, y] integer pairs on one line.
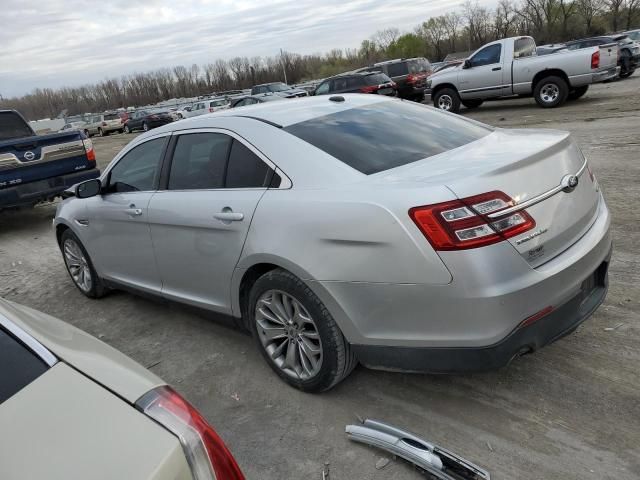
[[352, 228]]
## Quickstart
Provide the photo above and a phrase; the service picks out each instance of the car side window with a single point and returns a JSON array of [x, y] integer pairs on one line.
[[322, 88], [199, 161], [246, 169], [487, 56], [339, 84], [397, 69], [138, 169], [524, 47]]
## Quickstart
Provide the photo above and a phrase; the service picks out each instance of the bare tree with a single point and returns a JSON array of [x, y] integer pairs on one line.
[[588, 10], [614, 7], [567, 10], [384, 38]]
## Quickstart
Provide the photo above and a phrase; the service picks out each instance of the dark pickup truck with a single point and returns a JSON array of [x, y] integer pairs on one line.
[[35, 168]]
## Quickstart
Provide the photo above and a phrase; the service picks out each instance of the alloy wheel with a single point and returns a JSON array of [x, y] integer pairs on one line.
[[145, 127], [445, 102], [288, 334], [549, 92], [77, 265]]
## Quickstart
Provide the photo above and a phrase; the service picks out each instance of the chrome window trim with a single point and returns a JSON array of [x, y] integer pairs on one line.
[[285, 181], [537, 199], [35, 346]]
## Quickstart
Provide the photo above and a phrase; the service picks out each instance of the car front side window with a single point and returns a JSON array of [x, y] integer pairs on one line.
[[487, 56], [138, 169], [323, 88]]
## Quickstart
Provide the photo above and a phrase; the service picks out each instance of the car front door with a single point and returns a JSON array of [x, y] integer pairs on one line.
[[483, 77], [118, 234], [200, 221]]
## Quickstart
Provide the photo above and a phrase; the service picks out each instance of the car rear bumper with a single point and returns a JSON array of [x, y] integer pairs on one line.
[[551, 327], [34, 192], [604, 75]]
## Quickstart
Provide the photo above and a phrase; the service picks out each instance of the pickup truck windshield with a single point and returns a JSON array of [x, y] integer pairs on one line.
[[13, 126], [386, 135]]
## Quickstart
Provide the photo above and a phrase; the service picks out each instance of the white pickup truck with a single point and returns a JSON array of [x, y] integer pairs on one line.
[[510, 67]]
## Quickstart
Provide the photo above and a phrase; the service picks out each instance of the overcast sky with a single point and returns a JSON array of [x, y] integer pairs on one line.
[[53, 43]]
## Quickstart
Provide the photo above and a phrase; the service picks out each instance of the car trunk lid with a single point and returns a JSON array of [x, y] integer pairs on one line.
[[527, 166]]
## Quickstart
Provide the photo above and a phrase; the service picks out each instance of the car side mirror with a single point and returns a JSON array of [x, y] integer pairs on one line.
[[466, 64], [90, 188]]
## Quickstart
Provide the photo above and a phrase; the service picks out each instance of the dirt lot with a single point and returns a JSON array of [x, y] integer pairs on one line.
[[570, 411]]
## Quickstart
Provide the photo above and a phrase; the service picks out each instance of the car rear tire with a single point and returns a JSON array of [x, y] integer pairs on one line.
[[80, 267], [447, 99], [626, 74], [87, 134], [145, 127], [551, 92], [472, 103], [126, 129], [100, 132], [576, 93], [296, 334]]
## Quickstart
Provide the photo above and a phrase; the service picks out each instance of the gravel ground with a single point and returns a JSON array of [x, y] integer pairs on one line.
[[570, 411]]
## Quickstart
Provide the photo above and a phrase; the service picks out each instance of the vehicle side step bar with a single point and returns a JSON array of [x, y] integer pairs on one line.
[[439, 462]]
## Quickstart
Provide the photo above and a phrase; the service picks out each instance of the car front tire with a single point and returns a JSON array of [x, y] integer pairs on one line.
[[447, 99], [126, 129], [79, 266], [296, 334]]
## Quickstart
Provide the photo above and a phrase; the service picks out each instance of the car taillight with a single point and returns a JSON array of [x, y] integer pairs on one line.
[[595, 59], [104, 124], [211, 109], [207, 455], [369, 89], [463, 224], [88, 148]]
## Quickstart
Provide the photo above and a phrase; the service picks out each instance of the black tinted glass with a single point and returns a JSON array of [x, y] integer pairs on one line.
[[245, 169], [376, 79], [12, 126], [387, 134], [138, 169], [113, 116], [397, 69], [199, 160], [19, 366]]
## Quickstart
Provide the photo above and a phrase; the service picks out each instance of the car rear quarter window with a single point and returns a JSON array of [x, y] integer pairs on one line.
[[376, 79], [524, 47], [19, 366], [246, 169], [13, 126], [199, 161], [386, 135], [397, 69]]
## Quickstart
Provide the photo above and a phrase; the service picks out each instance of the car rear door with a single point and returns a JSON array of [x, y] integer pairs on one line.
[[116, 230], [200, 221]]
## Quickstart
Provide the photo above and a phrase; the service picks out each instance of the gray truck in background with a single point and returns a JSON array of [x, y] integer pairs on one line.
[[510, 67]]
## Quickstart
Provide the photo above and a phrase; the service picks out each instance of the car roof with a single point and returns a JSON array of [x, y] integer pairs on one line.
[[284, 113]]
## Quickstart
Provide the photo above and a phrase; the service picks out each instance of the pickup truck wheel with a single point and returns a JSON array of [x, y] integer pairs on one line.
[[474, 103], [551, 92], [447, 99], [79, 266], [296, 334], [577, 92]]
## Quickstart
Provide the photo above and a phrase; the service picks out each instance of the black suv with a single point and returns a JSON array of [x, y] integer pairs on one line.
[[410, 74], [628, 50], [358, 82]]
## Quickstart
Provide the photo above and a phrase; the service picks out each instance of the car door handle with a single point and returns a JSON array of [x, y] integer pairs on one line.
[[227, 216], [132, 211], [495, 69]]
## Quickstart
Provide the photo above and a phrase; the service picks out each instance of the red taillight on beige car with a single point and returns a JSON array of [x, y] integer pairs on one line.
[[207, 455], [463, 224]]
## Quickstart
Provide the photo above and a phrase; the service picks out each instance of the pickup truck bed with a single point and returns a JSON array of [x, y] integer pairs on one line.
[[35, 168]]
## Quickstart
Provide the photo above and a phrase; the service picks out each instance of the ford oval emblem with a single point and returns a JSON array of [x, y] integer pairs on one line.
[[29, 156], [569, 183]]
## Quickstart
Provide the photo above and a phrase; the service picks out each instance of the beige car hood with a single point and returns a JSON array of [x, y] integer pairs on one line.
[[89, 355]]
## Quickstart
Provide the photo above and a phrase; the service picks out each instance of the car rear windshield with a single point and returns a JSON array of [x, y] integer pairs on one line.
[[112, 116], [418, 65], [376, 79], [13, 126], [20, 366], [386, 135], [218, 103]]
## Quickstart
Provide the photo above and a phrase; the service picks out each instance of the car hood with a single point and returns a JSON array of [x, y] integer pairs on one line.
[[94, 358]]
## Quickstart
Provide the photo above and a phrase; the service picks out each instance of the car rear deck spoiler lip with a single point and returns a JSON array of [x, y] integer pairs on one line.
[[437, 461], [539, 198]]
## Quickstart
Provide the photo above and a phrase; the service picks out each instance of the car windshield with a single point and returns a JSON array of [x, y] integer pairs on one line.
[[635, 35], [218, 103], [376, 79], [112, 116], [386, 135]]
